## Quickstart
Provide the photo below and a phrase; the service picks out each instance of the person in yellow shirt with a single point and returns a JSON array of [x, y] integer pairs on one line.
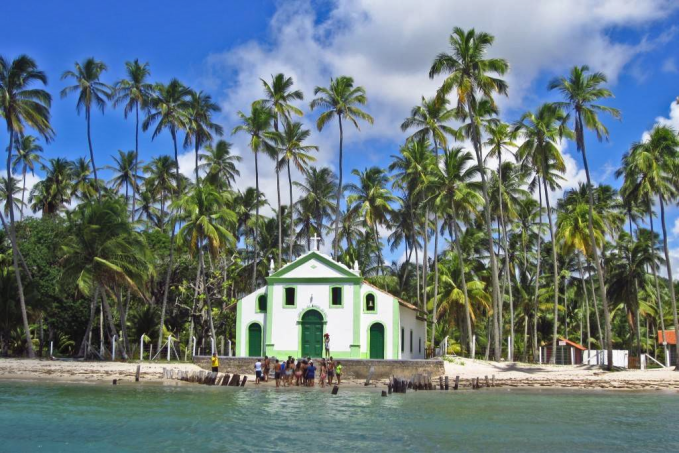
[[215, 363]]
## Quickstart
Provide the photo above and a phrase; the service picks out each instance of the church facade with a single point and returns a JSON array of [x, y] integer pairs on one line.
[[314, 296]]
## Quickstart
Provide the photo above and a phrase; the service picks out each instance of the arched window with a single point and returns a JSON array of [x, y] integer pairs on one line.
[[370, 305], [261, 303]]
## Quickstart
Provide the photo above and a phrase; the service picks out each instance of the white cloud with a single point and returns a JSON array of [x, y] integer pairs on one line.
[[670, 65], [675, 228], [672, 121]]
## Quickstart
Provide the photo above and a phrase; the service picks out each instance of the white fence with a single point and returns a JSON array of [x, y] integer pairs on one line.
[[620, 358]]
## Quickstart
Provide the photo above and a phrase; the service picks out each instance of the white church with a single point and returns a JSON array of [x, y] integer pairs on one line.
[[314, 296]]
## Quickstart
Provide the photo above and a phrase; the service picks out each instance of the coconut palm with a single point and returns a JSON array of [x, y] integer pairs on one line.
[[125, 174], [8, 201], [278, 97], [371, 200], [542, 131], [258, 126], [162, 183], [92, 92], [53, 193], [318, 189], [454, 189], [82, 186], [581, 91], [21, 105], [651, 169], [470, 74], [133, 93], [27, 157], [429, 118], [340, 100], [102, 252], [220, 165], [207, 224], [293, 152], [199, 125]]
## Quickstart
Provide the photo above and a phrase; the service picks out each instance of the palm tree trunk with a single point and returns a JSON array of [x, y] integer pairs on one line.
[[657, 284], [417, 257], [21, 256], [93, 309], [460, 257], [489, 231], [109, 316], [207, 294], [122, 309], [278, 193], [670, 281], [636, 316], [339, 190], [595, 252], [555, 269], [425, 258], [136, 161], [168, 274], [193, 307], [89, 143], [584, 291], [436, 256], [256, 232], [537, 277], [23, 194], [380, 262], [15, 250], [507, 267], [596, 312], [292, 223]]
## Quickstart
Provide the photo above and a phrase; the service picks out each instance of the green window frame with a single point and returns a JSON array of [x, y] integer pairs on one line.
[[258, 305], [336, 290], [286, 292], [366, 308]]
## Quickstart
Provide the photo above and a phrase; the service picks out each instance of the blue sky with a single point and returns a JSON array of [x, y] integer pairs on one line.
[[224, 47]]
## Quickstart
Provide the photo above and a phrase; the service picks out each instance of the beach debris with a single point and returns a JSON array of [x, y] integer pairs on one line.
[[335, 389], [115, 382], [384, 393]]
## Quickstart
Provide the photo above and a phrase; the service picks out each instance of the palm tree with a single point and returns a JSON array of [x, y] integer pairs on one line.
[[134, 93], [318, 189], [294, 152], [542, 131], [162, 182], [429, 119], [104, 251], [207, 224], [371, 200], [199, 124], [168, 109], [455, 190], [53, 193], [651, 169], [341, 99], [468, 74], [91, 92], [22, 105], [27, 156], [220, 165], [125, 173], [262, 138], [82, 185], [278, 97], [581, 90], [9, 194]]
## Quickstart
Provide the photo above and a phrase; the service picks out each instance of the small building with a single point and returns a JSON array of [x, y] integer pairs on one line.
[[669, 337], [567, 352], [314, 297]]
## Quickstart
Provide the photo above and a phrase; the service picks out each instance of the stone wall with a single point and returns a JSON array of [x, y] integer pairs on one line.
[[351, 368]]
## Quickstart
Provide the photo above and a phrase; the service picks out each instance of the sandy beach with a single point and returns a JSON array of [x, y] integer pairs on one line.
[[506, 374]]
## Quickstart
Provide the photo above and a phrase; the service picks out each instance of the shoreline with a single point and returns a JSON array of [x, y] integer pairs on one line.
[[506, 375]]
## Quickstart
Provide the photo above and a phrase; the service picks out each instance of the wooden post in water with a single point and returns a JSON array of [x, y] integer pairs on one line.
[[384, 393], [370, 375], [493, 381], [245, 379], [225, 380], [478, 386], [136, 376], [440, 382], [335, 389], [447, 387], [487, 381], [235, 380]]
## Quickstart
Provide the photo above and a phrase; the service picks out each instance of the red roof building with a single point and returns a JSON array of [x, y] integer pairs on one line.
[[670, 337]]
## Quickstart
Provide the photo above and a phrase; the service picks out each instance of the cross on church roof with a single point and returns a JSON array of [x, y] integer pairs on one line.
[[315, 239]]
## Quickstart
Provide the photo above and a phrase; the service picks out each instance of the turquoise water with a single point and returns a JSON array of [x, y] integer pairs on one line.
[[103, 418]]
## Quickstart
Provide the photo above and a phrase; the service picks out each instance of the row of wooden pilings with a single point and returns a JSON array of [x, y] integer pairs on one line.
[[205, 377], [424, 382]]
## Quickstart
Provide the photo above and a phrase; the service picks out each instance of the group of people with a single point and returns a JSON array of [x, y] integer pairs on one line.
[[302, 372]]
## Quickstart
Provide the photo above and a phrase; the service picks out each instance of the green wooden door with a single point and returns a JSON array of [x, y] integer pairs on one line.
[[377, 341], [255, 340], [312, 334]]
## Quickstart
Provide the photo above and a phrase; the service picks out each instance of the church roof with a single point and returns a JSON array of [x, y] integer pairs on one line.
[[339, 268]]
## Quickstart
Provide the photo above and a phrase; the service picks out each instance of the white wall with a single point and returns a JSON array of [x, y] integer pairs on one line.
[[384, 313], [248, 307], [410, 323]]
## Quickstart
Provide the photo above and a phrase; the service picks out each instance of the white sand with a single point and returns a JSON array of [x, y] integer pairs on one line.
[[530, 375]]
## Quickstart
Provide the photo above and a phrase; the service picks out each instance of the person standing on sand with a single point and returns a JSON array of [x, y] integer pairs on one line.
[[327, 344], [258, 371], [215, 363], [324, 373], [298, 372], [277, 373], [338, 371], [331, 370]]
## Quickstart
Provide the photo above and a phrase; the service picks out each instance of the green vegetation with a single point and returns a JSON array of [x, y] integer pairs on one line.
[[152, 252]]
